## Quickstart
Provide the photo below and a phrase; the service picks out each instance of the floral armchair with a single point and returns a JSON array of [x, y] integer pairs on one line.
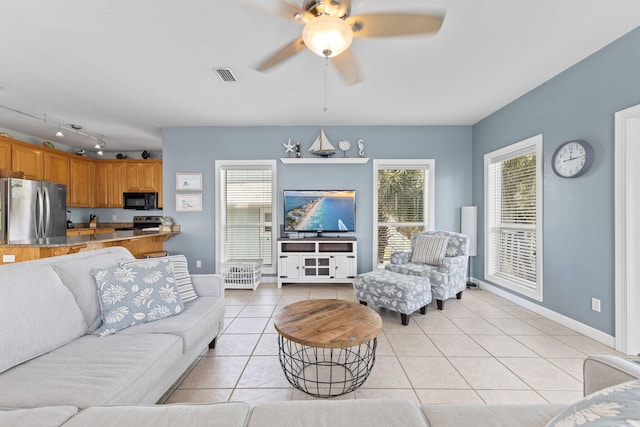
[[442, 256]]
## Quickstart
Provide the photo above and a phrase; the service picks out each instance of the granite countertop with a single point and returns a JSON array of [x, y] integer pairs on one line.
[[48, 242]]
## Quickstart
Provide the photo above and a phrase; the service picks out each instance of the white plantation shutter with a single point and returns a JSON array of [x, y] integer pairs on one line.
[[513, 202], [246, 205], [404, 203]]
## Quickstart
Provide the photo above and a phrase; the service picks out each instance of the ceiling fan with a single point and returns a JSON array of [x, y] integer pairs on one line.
[[329, 29]]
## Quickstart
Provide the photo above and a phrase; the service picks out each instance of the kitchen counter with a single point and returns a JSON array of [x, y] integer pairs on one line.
[[139, 242], [48, 242]]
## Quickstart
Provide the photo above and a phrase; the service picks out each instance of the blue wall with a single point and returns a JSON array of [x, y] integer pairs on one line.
[[195, 149], [578, 213]]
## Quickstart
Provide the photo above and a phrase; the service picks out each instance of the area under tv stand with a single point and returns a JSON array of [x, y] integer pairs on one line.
[[317, 260]]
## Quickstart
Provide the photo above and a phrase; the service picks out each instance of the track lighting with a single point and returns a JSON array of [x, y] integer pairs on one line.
[[75, 128]]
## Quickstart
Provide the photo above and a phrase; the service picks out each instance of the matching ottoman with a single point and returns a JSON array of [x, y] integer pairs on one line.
[[398, 292]]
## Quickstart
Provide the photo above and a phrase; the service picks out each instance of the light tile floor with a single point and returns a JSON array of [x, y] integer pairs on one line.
[[480, 349]]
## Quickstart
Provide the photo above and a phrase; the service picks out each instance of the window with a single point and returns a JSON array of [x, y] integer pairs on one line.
[[404, 202], [513, 217], [246, 198]]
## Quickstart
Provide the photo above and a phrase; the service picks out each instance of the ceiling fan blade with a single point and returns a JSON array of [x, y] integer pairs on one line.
[[283, 54], [394, 24], [347, 67]]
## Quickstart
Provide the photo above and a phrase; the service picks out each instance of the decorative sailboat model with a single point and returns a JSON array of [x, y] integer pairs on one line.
[[321, 146]]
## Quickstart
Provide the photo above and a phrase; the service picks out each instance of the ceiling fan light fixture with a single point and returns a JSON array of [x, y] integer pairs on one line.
[[327, 36]]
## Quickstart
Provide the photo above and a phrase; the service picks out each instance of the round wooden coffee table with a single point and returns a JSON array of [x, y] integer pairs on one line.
[[327, 347]]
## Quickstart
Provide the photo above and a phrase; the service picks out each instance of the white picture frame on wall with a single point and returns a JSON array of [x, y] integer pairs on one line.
[[188, 202], [188, 181]]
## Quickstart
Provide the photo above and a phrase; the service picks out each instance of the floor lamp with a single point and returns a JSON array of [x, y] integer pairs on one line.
[[469, 227]]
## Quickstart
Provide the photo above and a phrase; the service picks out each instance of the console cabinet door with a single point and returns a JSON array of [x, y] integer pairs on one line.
[[345, 266], [289, 266]]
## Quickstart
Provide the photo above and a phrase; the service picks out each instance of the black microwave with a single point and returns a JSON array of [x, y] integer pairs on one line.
[[140, 201]]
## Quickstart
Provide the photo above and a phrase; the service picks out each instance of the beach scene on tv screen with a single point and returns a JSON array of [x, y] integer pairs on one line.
[[329, 210]]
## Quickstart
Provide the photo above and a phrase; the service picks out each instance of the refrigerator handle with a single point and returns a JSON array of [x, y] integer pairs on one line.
[[47, 212], [38, 212]]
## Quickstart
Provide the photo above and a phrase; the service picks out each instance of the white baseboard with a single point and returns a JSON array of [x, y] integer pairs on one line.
[[585, 330], [269, 279]]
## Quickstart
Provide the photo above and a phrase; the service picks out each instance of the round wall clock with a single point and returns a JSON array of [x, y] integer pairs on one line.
[[572, 159]]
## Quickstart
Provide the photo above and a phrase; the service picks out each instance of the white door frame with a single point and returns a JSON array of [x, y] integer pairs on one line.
[[627, 230]]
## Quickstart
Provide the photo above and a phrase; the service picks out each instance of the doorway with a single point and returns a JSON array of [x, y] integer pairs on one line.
[[627, 230]]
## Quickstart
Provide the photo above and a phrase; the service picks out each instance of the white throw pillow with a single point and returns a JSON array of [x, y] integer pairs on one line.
[[429, 249], [178, 265]]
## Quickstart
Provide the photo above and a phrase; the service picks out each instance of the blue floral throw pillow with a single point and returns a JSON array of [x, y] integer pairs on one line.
[[132, 294], [614, 406]]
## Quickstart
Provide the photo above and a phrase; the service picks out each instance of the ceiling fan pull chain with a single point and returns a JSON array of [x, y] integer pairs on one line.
[[326, 66]]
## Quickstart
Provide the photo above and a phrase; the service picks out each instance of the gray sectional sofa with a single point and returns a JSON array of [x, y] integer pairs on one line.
[[600, 373], [50, 353], [56, 371]]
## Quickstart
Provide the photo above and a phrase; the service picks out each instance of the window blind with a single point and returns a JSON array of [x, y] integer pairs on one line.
[[247, 201], [513, 219]]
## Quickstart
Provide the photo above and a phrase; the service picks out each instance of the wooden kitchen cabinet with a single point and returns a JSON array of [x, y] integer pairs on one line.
[[81, 186], [109, 183], [144, 176], [5, 154], [56, 167], [90, 182], [89, 231], [28, 160]]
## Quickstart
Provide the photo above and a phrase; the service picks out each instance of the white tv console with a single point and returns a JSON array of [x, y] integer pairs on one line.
[[317, 260]]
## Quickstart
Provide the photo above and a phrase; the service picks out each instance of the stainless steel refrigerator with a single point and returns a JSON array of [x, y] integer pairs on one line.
[[32, 209]]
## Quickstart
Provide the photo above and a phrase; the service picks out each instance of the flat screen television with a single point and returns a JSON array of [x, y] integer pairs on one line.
[[319, 210]]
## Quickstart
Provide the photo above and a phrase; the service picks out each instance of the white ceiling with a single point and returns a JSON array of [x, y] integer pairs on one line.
[[126, 68]]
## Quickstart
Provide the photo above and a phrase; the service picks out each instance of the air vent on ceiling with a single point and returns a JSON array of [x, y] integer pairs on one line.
[[226, 75]]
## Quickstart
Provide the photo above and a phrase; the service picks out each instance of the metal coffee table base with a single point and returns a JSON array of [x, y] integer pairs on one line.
[[326, 372]]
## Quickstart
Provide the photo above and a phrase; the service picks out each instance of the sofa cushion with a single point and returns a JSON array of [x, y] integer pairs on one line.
[[92, 371], [228, 414], [613, 406], [476, 415], [37, 314], [75, 272], [136, 293], [326, 413], [429, 249], [49, 416], [200, 318], [178, 265]]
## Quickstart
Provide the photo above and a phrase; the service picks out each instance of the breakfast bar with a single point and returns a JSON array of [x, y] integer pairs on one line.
[[138, 242]]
